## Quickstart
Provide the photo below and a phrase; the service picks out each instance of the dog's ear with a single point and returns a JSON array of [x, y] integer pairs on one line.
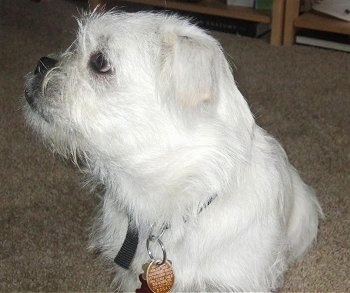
[[190, 66]]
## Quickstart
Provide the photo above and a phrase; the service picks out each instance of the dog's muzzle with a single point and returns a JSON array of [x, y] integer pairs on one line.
[[43, 66]]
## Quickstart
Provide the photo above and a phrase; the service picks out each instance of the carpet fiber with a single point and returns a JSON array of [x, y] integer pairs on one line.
[[299, 94]]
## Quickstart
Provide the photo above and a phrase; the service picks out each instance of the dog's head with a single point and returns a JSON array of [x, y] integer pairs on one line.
[[134, 82]]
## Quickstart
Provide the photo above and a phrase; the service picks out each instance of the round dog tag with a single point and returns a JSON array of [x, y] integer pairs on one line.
[[160, 277]]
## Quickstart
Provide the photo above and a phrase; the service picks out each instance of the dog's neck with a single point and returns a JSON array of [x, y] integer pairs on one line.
[[163, 185], [158, 203], [157, 193]]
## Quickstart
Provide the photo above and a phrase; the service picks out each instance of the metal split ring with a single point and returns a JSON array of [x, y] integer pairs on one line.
[[153, 239]]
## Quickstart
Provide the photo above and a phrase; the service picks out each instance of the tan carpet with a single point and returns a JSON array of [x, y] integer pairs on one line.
[[300, 94]]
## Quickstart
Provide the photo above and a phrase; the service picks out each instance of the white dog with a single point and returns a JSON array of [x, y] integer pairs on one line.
[[149, 103]]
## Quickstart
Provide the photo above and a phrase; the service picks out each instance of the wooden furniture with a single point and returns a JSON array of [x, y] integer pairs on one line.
[[310, 20], [220, 8]]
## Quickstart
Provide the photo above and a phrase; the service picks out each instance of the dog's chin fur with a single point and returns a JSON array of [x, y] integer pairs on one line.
[[165, 132]]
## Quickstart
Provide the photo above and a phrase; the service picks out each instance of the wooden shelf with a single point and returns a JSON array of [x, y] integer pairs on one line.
[[211, 7], [321, 22], [220, 8], [310, 20]]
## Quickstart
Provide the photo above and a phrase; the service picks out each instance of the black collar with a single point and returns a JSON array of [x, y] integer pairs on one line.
[[128, 249]]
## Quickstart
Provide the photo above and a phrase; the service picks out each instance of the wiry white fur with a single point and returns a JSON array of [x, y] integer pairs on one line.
[[164, 132]]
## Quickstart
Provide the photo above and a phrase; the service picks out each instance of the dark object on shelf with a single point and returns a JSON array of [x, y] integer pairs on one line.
[[322, 39], [263, 4], [212, 22], [229, 25]]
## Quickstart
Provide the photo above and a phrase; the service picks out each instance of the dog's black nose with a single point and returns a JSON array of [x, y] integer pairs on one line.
[[44, 65]]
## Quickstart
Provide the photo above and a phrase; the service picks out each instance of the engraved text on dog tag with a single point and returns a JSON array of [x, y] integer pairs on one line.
[[159, 277]]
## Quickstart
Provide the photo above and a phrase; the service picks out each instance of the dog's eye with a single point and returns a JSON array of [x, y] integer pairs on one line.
[[99, 63]]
